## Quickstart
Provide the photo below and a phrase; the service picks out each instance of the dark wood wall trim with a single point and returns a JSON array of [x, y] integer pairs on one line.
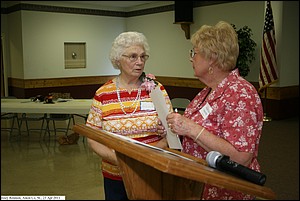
[[57, 82], [281, 102], [276, 93], [85, 11], [281, 93], [181, 82]]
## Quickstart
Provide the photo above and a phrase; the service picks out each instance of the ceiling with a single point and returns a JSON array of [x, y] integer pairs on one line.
[[110, 5], [118, 5], [121, 4]]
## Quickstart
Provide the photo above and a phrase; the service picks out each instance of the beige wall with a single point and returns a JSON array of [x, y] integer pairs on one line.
[[45, 45], [35, 40]]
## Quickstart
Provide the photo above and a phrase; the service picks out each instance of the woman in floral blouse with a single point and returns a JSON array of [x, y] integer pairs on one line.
[[227, 115], [123, 106]]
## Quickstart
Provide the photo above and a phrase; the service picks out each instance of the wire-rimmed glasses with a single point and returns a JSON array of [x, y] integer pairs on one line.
[[134, 57]]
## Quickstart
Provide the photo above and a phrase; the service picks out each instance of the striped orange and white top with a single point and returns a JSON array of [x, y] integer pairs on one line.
[[138, 119]]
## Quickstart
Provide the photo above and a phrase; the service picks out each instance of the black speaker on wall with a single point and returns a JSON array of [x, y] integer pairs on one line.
[[183, 11]]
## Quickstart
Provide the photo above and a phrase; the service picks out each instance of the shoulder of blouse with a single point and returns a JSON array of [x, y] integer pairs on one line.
[[105, 87]]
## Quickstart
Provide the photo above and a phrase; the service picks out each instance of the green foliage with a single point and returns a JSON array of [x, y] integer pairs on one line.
[[247, 48]]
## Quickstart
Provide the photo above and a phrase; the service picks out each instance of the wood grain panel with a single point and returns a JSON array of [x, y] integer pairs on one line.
[[281, 93], [275, 93], [137, 160], [180, 82], [58, 82]]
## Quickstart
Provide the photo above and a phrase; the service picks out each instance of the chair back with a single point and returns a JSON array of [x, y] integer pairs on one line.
[[180, 104]]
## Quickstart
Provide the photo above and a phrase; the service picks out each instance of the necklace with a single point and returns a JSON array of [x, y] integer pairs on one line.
[[135, 102]]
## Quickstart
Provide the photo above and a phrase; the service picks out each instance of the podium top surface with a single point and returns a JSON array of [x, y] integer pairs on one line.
[[173, 163]]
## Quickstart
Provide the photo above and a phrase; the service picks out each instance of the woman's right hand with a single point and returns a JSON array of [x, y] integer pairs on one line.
[[161, 130], [179, 124]]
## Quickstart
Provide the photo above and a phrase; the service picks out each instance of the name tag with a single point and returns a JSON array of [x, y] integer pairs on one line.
[[205, 111], [145, 105]]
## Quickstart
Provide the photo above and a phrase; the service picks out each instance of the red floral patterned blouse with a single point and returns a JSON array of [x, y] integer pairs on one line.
[[236, 116]]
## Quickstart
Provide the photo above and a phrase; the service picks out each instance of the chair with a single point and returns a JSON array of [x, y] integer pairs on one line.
[[59, 117], [180, 104], [6, 116], [32, 117], [14, 118]]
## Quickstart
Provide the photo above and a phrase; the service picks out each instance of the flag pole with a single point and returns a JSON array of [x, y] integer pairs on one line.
[[268, 68], [266, 118]]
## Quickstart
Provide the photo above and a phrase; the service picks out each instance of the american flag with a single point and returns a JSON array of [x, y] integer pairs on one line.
[[268, 66]]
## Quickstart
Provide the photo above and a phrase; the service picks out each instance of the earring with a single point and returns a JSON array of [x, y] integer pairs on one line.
[[210, 70]]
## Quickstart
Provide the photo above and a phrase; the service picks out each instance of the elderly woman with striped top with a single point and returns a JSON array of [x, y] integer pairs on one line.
[[123, 106]]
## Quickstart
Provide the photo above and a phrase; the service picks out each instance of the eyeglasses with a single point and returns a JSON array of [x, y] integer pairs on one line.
[[192, 53], [134, 57]]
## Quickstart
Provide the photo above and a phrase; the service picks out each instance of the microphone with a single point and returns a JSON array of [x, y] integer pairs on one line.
[[223, 163]]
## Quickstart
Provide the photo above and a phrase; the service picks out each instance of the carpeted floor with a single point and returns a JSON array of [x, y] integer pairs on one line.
[[279, 157]]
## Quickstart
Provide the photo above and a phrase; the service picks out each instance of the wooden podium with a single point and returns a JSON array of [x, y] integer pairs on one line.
[[151, 173]]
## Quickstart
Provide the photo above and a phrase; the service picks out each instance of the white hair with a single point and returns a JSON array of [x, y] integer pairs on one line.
[[123, 41]]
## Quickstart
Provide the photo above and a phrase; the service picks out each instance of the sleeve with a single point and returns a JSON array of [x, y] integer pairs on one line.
[[241, 119], [94, 119]]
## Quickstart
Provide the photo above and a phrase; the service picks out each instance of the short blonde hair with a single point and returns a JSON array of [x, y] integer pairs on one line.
[[219, 43], [124, 41]]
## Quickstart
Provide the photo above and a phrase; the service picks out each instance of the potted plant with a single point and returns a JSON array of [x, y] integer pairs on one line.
[[247, 48]]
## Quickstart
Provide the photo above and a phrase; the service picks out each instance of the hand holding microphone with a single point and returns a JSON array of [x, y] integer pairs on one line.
[[223, 163]]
